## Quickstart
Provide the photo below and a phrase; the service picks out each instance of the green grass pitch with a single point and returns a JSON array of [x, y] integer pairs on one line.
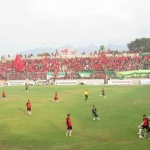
[[120, 114]]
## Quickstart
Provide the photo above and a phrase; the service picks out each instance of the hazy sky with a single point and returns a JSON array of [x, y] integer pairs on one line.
[[27, 24]]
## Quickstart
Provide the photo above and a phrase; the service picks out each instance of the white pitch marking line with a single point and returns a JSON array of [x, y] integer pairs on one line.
[[135, 103]]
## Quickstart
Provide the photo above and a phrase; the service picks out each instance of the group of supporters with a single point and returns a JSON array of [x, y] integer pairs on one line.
[[100, 62]]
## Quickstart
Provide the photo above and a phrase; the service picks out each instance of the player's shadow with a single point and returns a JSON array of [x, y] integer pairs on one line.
[[22, 110], [54, 127]]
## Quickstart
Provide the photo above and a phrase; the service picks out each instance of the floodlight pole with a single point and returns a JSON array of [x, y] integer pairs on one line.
[[43, 48], [109, 43]]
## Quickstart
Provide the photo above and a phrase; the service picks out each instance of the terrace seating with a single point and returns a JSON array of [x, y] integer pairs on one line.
[[100, 62]]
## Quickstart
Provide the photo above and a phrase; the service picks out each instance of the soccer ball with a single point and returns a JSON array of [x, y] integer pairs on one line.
[[140, 136]]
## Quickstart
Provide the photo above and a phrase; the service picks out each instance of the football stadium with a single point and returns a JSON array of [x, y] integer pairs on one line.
[[67, 101]]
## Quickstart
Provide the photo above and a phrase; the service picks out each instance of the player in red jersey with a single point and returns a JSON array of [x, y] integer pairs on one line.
[[143, 125], [28, 104], [4, 95], [69, 125], [147, 130], [56, 98]]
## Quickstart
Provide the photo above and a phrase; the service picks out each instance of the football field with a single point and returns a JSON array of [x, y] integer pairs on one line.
[[120, 114]]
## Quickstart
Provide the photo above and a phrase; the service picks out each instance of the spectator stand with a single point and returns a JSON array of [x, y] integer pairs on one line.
[[71, 64]]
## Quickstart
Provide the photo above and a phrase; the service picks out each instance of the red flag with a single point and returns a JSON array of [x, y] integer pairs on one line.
[[18, 63], [16, 60]]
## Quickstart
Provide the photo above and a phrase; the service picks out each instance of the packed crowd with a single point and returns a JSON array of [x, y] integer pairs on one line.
[[98, 63]]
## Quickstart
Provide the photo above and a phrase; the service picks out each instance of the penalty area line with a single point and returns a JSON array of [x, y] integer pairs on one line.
[[136, 104]]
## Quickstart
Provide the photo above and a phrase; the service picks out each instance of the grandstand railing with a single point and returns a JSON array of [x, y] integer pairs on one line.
[[43, 76], [106, 75]]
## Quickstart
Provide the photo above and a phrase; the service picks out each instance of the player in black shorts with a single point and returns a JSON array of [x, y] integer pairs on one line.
[[147, 129], [94, 113], [143, 125], [86, 94], [26, 87], [103, 93]]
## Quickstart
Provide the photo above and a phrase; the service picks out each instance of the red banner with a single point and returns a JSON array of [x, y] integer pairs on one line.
[[18, 63]]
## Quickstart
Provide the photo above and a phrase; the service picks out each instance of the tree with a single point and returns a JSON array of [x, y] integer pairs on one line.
[[142, 44], [102, 47], [43, 54]]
